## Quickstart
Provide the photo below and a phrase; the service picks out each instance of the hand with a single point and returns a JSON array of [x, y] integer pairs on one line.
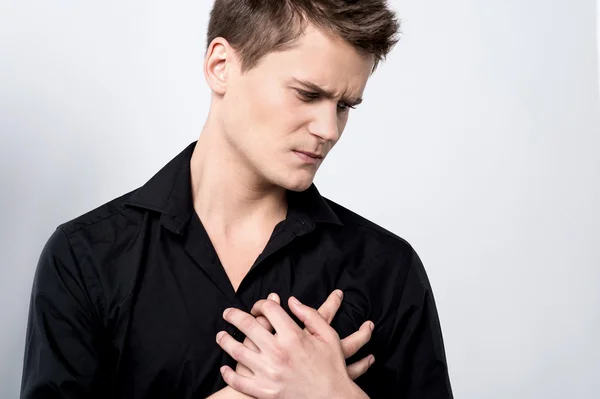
[[293, 363], [350, 345]]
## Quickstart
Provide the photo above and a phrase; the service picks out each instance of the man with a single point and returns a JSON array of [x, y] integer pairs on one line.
[[161, 293]]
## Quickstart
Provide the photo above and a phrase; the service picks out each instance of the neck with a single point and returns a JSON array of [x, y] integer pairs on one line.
[[229, 196]]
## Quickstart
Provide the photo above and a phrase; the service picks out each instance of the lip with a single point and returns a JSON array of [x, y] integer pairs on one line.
[[308, 157]]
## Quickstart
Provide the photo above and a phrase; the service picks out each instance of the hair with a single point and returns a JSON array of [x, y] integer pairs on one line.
[[254, 28]]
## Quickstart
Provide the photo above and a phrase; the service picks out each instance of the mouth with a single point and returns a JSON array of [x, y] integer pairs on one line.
[[308, 157], [310, 154]]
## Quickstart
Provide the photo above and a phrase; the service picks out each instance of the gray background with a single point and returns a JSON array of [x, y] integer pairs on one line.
[[478, 142]]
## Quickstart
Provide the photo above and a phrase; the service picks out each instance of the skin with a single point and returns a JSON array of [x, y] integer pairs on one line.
[[350, 345], [246, 158]]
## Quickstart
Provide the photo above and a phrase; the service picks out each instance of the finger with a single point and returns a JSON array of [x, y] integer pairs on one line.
[[357, 369], [274, 297], [279, 319], [240, 383], [243, 370], [353, 342], [313, 321], [262, 319], [266, 325], [238, 351], [263, 322], [248, 325], [330, 307]]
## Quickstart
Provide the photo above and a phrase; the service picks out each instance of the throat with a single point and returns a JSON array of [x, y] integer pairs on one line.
[[237, 255]]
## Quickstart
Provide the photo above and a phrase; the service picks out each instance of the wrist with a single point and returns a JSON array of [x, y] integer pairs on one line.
[[349, 390]]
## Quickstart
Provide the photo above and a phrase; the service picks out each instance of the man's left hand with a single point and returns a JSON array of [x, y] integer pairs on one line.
[[293, 363]]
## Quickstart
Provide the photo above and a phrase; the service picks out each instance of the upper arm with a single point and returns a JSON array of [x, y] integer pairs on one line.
[[64, 341], [414, 362]]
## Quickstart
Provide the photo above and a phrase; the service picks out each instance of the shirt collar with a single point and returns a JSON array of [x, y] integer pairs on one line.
[[169, 192]]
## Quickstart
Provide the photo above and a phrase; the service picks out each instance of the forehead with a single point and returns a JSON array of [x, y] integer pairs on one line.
[[322, 58]]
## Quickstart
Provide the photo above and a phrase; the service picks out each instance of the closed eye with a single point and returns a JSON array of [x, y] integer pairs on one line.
[[308, 96]]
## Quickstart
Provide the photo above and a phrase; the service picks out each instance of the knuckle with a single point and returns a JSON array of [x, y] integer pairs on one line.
[[295, 338], [257, 306], [325, 314], [269, 306], [281, 356], [237, 352], [273, 374], [234, 382], [333, 335], [247, 323], [350, 348], [263, 322], [312, 314]]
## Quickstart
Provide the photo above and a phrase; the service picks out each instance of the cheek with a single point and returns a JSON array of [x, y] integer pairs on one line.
[[342, 124], [276, 115]]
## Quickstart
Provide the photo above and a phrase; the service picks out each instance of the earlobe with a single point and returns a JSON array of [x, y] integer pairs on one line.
[[215, 66]]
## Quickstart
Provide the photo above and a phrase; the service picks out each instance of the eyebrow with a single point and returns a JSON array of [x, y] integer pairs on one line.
[[326, 93]]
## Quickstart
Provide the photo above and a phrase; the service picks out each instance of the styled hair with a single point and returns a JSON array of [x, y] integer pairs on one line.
[[254, 28]]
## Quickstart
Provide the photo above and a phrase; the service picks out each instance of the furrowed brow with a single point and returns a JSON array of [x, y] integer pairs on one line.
[[327, 94]]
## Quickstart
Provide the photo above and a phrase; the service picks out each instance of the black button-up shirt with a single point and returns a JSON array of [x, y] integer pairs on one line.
[[128, 298]]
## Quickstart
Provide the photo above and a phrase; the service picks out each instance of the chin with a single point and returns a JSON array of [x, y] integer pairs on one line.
[[296, 183]]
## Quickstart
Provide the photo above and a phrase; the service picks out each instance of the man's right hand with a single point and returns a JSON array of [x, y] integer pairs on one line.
[[350, 344]]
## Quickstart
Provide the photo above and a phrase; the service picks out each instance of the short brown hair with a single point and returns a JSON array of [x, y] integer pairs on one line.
[[257, 27]]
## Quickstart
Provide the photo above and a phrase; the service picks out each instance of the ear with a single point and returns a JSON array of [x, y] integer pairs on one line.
[[217, 63]]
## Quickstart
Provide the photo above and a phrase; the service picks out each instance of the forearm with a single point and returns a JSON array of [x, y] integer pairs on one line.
[[353, 392], [229, 393]]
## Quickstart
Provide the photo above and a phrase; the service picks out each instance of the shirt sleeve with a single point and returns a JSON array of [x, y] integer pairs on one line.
[[63, 344], [414, 363]]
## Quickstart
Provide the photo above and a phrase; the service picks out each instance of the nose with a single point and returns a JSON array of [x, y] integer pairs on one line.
[[325, 124]]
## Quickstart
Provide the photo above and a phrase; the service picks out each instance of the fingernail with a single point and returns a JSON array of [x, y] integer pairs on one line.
[[371, 326], [371, 360], [225, 312], [271, 297], [339, 293], [219, 335], [294, 300], [222, 369]]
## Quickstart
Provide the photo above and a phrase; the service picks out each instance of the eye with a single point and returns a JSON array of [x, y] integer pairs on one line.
[[307, 95], [345, 107]]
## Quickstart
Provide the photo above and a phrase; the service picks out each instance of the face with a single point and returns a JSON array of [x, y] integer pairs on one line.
[[285, 115]]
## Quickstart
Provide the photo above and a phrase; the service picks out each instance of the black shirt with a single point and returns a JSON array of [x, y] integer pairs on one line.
[[128, 298]]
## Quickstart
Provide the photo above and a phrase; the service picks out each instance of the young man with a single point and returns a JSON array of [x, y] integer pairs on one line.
[[161, 293]]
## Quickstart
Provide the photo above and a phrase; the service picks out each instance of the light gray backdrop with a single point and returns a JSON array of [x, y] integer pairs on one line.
[[478, 142]]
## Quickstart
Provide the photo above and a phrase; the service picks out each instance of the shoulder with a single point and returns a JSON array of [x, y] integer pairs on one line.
[[380, 251], [97, 242], [92, 249], [380, 239], [106, 216]]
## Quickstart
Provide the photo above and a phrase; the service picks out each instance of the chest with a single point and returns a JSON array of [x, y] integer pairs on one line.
[[169, 321]]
